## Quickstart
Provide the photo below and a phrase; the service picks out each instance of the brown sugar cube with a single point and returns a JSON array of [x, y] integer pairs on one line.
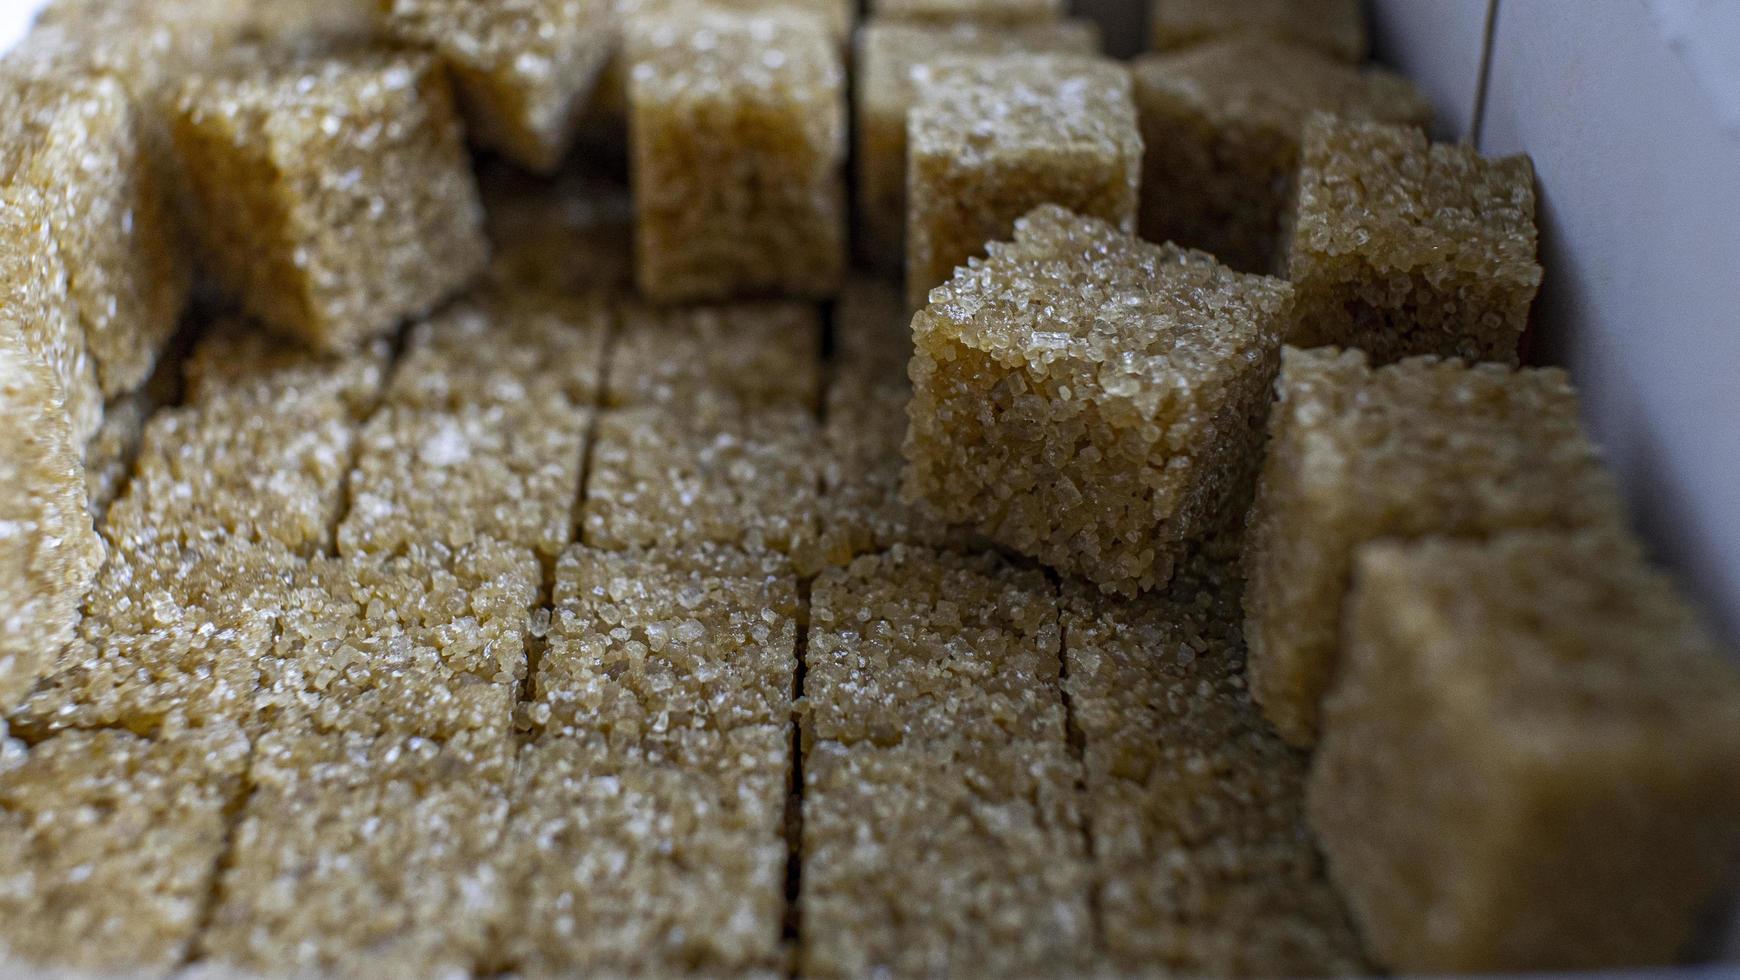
[[738, 140], [940, 825], [429, 644], [37, 310], [991, 138], [1222, 124], [1002, 12], [752, 354], [1528, 757], [893, 59], [1204, 865], [110, 842], [1089, 399], [49, 553], [362, 856], [624, 863], [1419, 448], [236, 469], [82, 143], [663, 479], [524, 68], [641, 647], [1402, 247], [334, 195], [288, 20], [1335, 27], [172, 638], [238, 362], [503, 347], [507, 471]]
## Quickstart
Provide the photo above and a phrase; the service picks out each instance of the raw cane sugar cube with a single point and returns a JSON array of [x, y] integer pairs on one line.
[[738, 143], [1402, 247], [524, 69], [37, 309], [333, 194], [1222, 124], [238, 469], [505, 346], [1204, 863], [991, 138], [504, 471], [49, 553], [640, 649], [172, 639], [81, 142], [1335, 27], [752, 354], [1419, 448], [360, 856], [109, 843], [1528, 757], [1089, 399], [430, 644], [892, 62], [1002, 12], [239, 363], [621, 864], [660, 478], [941, 830]]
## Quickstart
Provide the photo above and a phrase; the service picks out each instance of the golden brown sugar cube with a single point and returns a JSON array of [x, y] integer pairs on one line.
[[622, 865], [738, 142], [430, 644], [1402, 247], [1528, 757], [363, 856], [1204, 864], [49, 552], [753, 354], [999, 12], [82, 143], [1222, 124], [991, 138], [38, 312], [334, 196], [505, 346], [892, 62], [525, 69], [237, 469], [172, 638], [110, 842], [1335, 27], [148, 45], [663, 479], [941, 831], [1089, 399], [1419, 448], [239, 363], [507, 471], [289, 20], [640, 647]]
